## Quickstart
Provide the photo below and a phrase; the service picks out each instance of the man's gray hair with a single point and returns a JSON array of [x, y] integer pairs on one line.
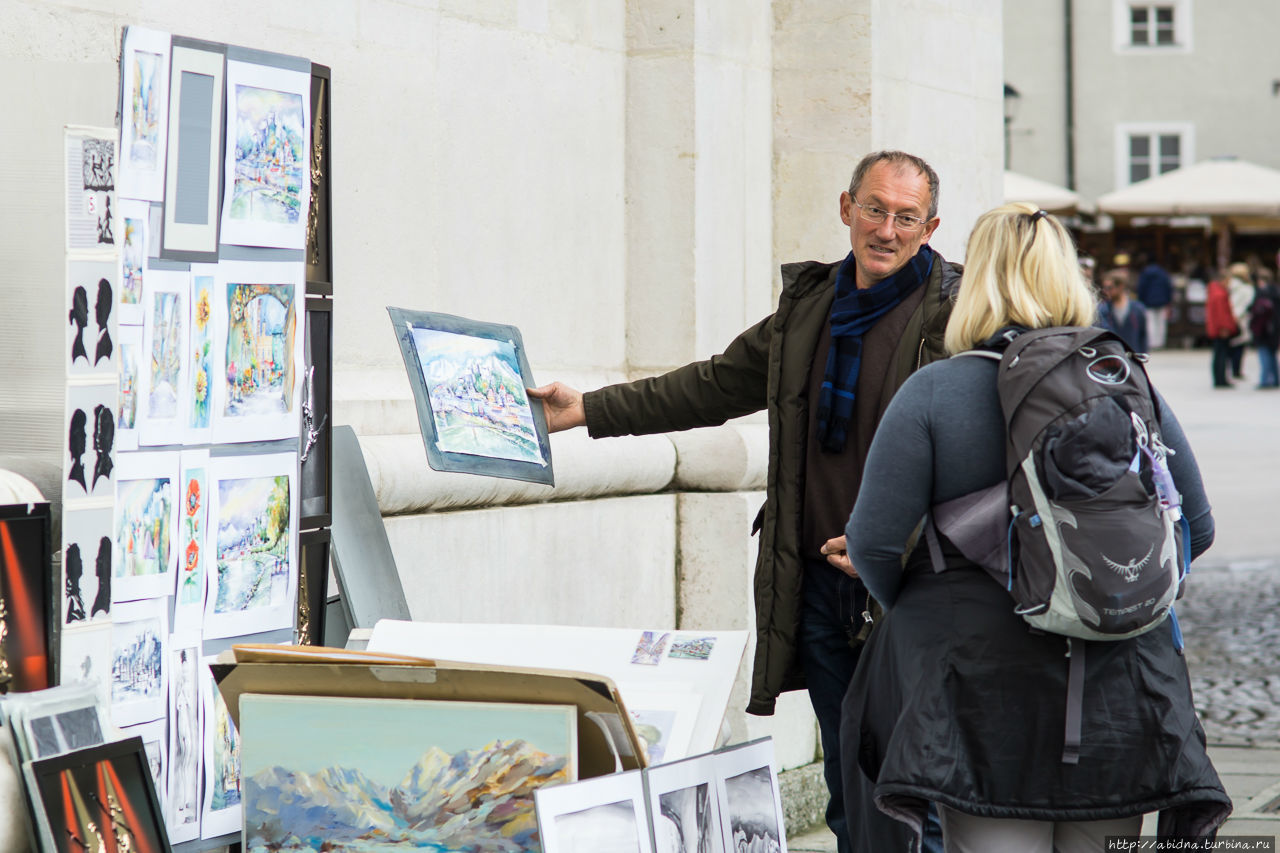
[[900, 158]]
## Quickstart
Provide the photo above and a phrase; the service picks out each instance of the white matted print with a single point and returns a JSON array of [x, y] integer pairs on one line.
[[606, 814], [86, 565], [156, 748], [193, 539], [182, 813], [131, 362], [199, 393], [750, 804], [89, 459], [683, 808], [146, 524], [144, 113], [222, 809], [162, 400], [252, 545], [135, 228], [664, 719], [257, 351], [139, 661], [90, 154], [85, 655], [91, 318], [267, 170]]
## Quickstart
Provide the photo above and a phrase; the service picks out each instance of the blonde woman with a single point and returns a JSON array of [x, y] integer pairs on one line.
[[956, 701]]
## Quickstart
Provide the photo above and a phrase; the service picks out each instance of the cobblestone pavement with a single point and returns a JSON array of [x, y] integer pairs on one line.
[[1229, 621]]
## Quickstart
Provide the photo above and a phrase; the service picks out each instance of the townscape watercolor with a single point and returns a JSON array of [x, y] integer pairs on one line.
[[477, 396], [144, 508], [259, 349], [270, 155], [253, 543]]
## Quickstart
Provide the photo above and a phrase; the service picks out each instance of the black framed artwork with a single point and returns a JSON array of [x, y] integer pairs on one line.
[[316, 445], [319, 256], [469, 382], [26, 597], [100, 798], [313, 585]]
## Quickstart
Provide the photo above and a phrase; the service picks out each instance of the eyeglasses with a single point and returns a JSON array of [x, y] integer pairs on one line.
[[901, 221]]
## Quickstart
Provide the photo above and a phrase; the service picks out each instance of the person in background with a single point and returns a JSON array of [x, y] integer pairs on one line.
[[1241, 290], [825, 364], [1264, 328], [1120, 314], [1219, 327], [956, 700], [1155, 292]]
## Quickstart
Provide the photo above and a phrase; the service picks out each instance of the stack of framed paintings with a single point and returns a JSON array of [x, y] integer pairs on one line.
[[721, 802], [198, 356]]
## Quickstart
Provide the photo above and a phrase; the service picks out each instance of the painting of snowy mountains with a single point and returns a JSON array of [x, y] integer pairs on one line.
[[372, 775]]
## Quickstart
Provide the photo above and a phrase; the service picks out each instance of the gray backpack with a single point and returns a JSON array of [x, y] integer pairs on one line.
[[1084, 533]]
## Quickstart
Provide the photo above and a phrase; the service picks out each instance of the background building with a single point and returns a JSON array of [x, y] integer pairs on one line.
[[618, 179]]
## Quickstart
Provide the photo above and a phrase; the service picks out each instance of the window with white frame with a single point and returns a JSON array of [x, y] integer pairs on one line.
[[1147, 150], [1152, 26]]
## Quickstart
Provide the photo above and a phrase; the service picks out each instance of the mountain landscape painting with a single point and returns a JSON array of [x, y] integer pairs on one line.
[[371, 775], [477, 396]]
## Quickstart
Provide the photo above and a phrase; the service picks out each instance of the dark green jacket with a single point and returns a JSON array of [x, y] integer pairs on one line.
[[768, 366]]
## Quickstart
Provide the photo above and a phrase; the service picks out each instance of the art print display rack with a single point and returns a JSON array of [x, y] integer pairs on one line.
[[197, 499]]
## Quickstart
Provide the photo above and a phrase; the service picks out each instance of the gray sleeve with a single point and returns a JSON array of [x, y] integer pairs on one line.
[[1186, 474], [897, 486]]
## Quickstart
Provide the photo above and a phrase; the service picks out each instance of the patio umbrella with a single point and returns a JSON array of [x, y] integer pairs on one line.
[[1233, 188], [1043, 194]]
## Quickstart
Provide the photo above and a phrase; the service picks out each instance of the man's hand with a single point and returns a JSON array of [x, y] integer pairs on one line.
[[834, 551], [562, 406]]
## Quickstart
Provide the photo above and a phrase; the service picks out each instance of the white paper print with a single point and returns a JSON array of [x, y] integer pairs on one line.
[[146, 526], [267, 171], [193, 541], [89, 454], [185, 738], [91, 318], [164, 357], [91, 188], [222, 809], [257, 351], [144, 113], [135, 229], [86, 565], [131, 361], [197, 420], [139, 661], [86, 656], [252, 550], [156, 747]]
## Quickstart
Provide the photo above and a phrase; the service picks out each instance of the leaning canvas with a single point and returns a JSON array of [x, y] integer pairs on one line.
[[358, 774], [469, 381]]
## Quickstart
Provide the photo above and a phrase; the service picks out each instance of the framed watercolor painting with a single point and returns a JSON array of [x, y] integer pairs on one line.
[[607, 813], [359, 774], [101, 798], [469, 380]]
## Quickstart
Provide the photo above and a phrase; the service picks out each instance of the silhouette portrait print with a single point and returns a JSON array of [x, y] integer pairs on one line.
[[102, 601], [76, 444], [102, 310], [104, 434], [79, 316], [75, 571]]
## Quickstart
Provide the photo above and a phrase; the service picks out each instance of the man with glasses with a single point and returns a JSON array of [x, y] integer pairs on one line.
[[825, 364]]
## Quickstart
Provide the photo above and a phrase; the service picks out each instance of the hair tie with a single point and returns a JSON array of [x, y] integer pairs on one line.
[[1039, 214]]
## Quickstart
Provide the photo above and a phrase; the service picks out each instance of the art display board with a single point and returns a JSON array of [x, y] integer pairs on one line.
[[319, 671], [334, 772], [469, 382], [700, 663], [607, 813]]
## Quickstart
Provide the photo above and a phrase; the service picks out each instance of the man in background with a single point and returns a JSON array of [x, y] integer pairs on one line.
[[1155, 292], [1120, 314]]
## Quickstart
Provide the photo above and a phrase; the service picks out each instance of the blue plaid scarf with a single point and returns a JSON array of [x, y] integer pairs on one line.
[[852, 314]]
